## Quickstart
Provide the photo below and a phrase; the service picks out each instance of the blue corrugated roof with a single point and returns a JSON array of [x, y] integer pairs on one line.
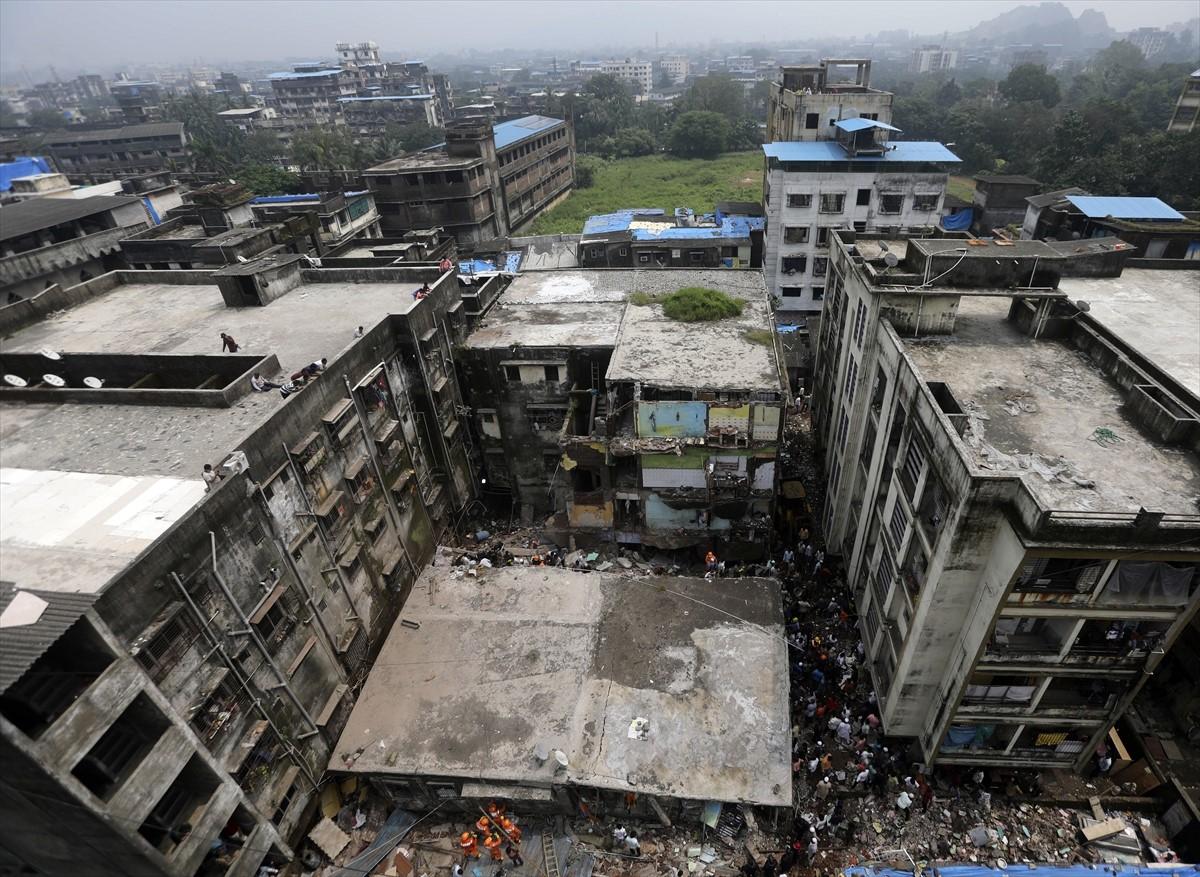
[[829, 150], [862, 124], [1099, 206], [294, 75], [342, 100], [285, 199], [1040, 870], [729, 226], [508, 133], [21, 166]]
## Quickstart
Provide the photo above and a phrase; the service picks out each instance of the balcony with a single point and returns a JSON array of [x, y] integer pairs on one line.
[[45, 260]]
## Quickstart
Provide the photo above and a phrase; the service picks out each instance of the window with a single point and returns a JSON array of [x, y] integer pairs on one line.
[[891, 203], [794, 264], [512, 373], [161, 652], [925, 202], [552, 374], [803, 199], [860, 226], [274, 624], [860, 322], [121, 748], [818, 293], [696, 255], [822, 236], [811, 121], [820, 266], [488, 417], [864, 198], [795, 234], [791, 291], [545, 419], [833, 203]]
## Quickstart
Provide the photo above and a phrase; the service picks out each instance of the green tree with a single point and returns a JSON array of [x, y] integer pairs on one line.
[[633, 141], [604, 106], [699, 134], [662, 79], [324, 150], [586, 167], [716, 93], [48, 118], [1030, 82], [266, 179]]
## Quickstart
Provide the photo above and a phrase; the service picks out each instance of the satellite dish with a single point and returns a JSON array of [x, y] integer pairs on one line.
[[560, 758], [1083, 306], [15, 381], [890, 260], [54, 380], [50, 354], [94, 383], [883, 246]]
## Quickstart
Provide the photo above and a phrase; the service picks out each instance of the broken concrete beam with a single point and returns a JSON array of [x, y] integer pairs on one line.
[[1102, 830], [1097, 810]]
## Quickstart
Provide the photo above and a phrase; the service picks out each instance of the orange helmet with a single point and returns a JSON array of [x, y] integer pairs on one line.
[[466, 837], [483, 823], [507, 824]]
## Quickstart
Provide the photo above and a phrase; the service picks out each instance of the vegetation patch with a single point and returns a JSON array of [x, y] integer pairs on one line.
[[760, 336], [696, 304]]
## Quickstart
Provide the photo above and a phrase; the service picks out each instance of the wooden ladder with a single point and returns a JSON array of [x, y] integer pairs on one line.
[[549, 856]]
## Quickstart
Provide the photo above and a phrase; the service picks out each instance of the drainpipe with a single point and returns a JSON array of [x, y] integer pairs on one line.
[[258, 641], [377, 467], [241, 677], [327, 640], [311, 513]]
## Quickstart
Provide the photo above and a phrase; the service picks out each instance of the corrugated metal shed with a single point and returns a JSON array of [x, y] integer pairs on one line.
[[1100, 206], [829, 150], [861, 124], [22, 644], [18, 220], [510, 133]]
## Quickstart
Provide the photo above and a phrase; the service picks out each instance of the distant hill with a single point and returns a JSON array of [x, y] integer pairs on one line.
[[1043, 23]]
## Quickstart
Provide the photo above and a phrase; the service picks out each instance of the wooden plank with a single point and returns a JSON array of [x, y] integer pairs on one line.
[[1104, 829], [1097, 810]]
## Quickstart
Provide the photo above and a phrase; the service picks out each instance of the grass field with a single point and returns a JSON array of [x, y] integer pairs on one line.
[[658, 181], [961, 187]]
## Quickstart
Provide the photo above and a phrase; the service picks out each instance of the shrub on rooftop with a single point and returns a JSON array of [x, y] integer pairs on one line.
[[696, 304]]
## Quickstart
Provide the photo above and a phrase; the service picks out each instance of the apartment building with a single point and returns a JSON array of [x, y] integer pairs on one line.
[[312, 91], [140, 101], [339, 217], [931, 59], [63, 241], [675, 66], [1187, 108], [1011, 477], [1153, 228], [483, 183], [593, 407], [860, 181], [639, 73], [88, 156], [179, 664], [806, 100]]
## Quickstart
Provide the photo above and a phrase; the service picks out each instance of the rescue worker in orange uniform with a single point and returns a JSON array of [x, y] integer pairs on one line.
[[495, 811], [510, 828], [470, 846], [492, 842], [484, 825]]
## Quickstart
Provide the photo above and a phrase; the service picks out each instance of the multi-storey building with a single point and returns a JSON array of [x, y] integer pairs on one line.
[[931, 59], [482, 184], [370, 116], [1154, 229], [1150, 41], [95, 155], [339, 217], [358, 54], [140, 101], [1011, 473], [63, 241], [592, 406], [676, 67], [639, 73], [178, 664], [1187, 108], [806, 101], [859, 181], [313, 90]]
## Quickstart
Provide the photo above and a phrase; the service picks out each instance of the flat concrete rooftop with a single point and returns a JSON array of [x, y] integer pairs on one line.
[[1061, 399], [312, 321], [589, 308], [1156, 312], [524, 656], [417, 161]]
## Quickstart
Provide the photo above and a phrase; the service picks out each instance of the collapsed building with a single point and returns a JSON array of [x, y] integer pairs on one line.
[[176, 664], [587, 692], [1010, 433], [595, 408]]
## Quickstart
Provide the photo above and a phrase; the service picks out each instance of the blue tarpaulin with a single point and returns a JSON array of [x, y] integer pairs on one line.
[[1035, 871], [861, 124], [959, 221], [1099, 206], [21, 166], [728, 227], [150, 210]]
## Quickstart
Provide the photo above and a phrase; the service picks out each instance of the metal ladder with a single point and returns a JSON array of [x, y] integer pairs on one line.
[[595, 375], [549, 857]]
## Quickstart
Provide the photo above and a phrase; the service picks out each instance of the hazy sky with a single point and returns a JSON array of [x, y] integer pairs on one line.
[[78, 34]]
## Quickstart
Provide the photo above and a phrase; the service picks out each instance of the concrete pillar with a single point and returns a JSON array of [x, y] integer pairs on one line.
[[252, 854], [189, 854], [92, 713], [142, 789]]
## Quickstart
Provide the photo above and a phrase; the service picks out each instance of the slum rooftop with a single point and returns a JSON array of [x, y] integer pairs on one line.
[[1042, 410], [655, 225], [504, 136], [591, 308], [314, 320], [527, 658]]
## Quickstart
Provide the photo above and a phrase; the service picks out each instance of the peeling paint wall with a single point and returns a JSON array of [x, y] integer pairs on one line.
[[672, 419]]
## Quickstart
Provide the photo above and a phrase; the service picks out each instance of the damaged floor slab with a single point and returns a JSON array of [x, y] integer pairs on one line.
[[665, 686]]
